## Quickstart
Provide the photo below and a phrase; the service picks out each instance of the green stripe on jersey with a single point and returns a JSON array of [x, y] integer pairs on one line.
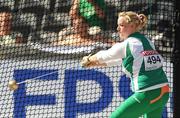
[[144, 78], [128, 62]]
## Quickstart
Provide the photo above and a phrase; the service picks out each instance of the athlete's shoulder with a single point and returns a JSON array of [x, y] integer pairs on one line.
[[133, 40]]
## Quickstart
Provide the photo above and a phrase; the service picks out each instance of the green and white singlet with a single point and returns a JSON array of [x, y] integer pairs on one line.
[[140, 61]]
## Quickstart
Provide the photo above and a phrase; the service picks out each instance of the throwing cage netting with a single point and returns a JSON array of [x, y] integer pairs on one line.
[[39, 51]]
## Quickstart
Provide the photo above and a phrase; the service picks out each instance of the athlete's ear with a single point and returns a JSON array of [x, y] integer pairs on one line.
[[132, 25]]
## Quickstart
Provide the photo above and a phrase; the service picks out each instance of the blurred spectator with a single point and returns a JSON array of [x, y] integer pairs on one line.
[[5, 20], [84, 15], [8, 37]]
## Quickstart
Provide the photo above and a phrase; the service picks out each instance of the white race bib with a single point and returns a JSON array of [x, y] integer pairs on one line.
[[152, 60]]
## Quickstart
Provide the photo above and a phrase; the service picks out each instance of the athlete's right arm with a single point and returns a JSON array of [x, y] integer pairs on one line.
[[108, 57]]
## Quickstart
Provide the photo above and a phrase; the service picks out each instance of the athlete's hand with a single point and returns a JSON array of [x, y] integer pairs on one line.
[[85, 61]]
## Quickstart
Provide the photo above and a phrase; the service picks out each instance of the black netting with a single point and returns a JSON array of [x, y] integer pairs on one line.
[[41, 51]]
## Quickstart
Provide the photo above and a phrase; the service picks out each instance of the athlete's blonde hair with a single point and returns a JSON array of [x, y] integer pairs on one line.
[[140, 20]]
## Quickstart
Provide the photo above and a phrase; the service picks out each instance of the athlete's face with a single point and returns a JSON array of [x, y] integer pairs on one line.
[[124, 29]]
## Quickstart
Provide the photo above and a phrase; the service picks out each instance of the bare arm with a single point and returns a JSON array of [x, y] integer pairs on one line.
[[74, 9]]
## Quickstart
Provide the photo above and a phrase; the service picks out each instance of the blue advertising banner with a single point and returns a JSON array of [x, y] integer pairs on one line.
[[66, 92]]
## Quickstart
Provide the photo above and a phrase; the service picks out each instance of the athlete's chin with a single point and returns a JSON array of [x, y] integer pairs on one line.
[[122, 37]]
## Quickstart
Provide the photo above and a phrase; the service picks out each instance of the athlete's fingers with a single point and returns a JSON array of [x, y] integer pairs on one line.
[[85, 61]]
